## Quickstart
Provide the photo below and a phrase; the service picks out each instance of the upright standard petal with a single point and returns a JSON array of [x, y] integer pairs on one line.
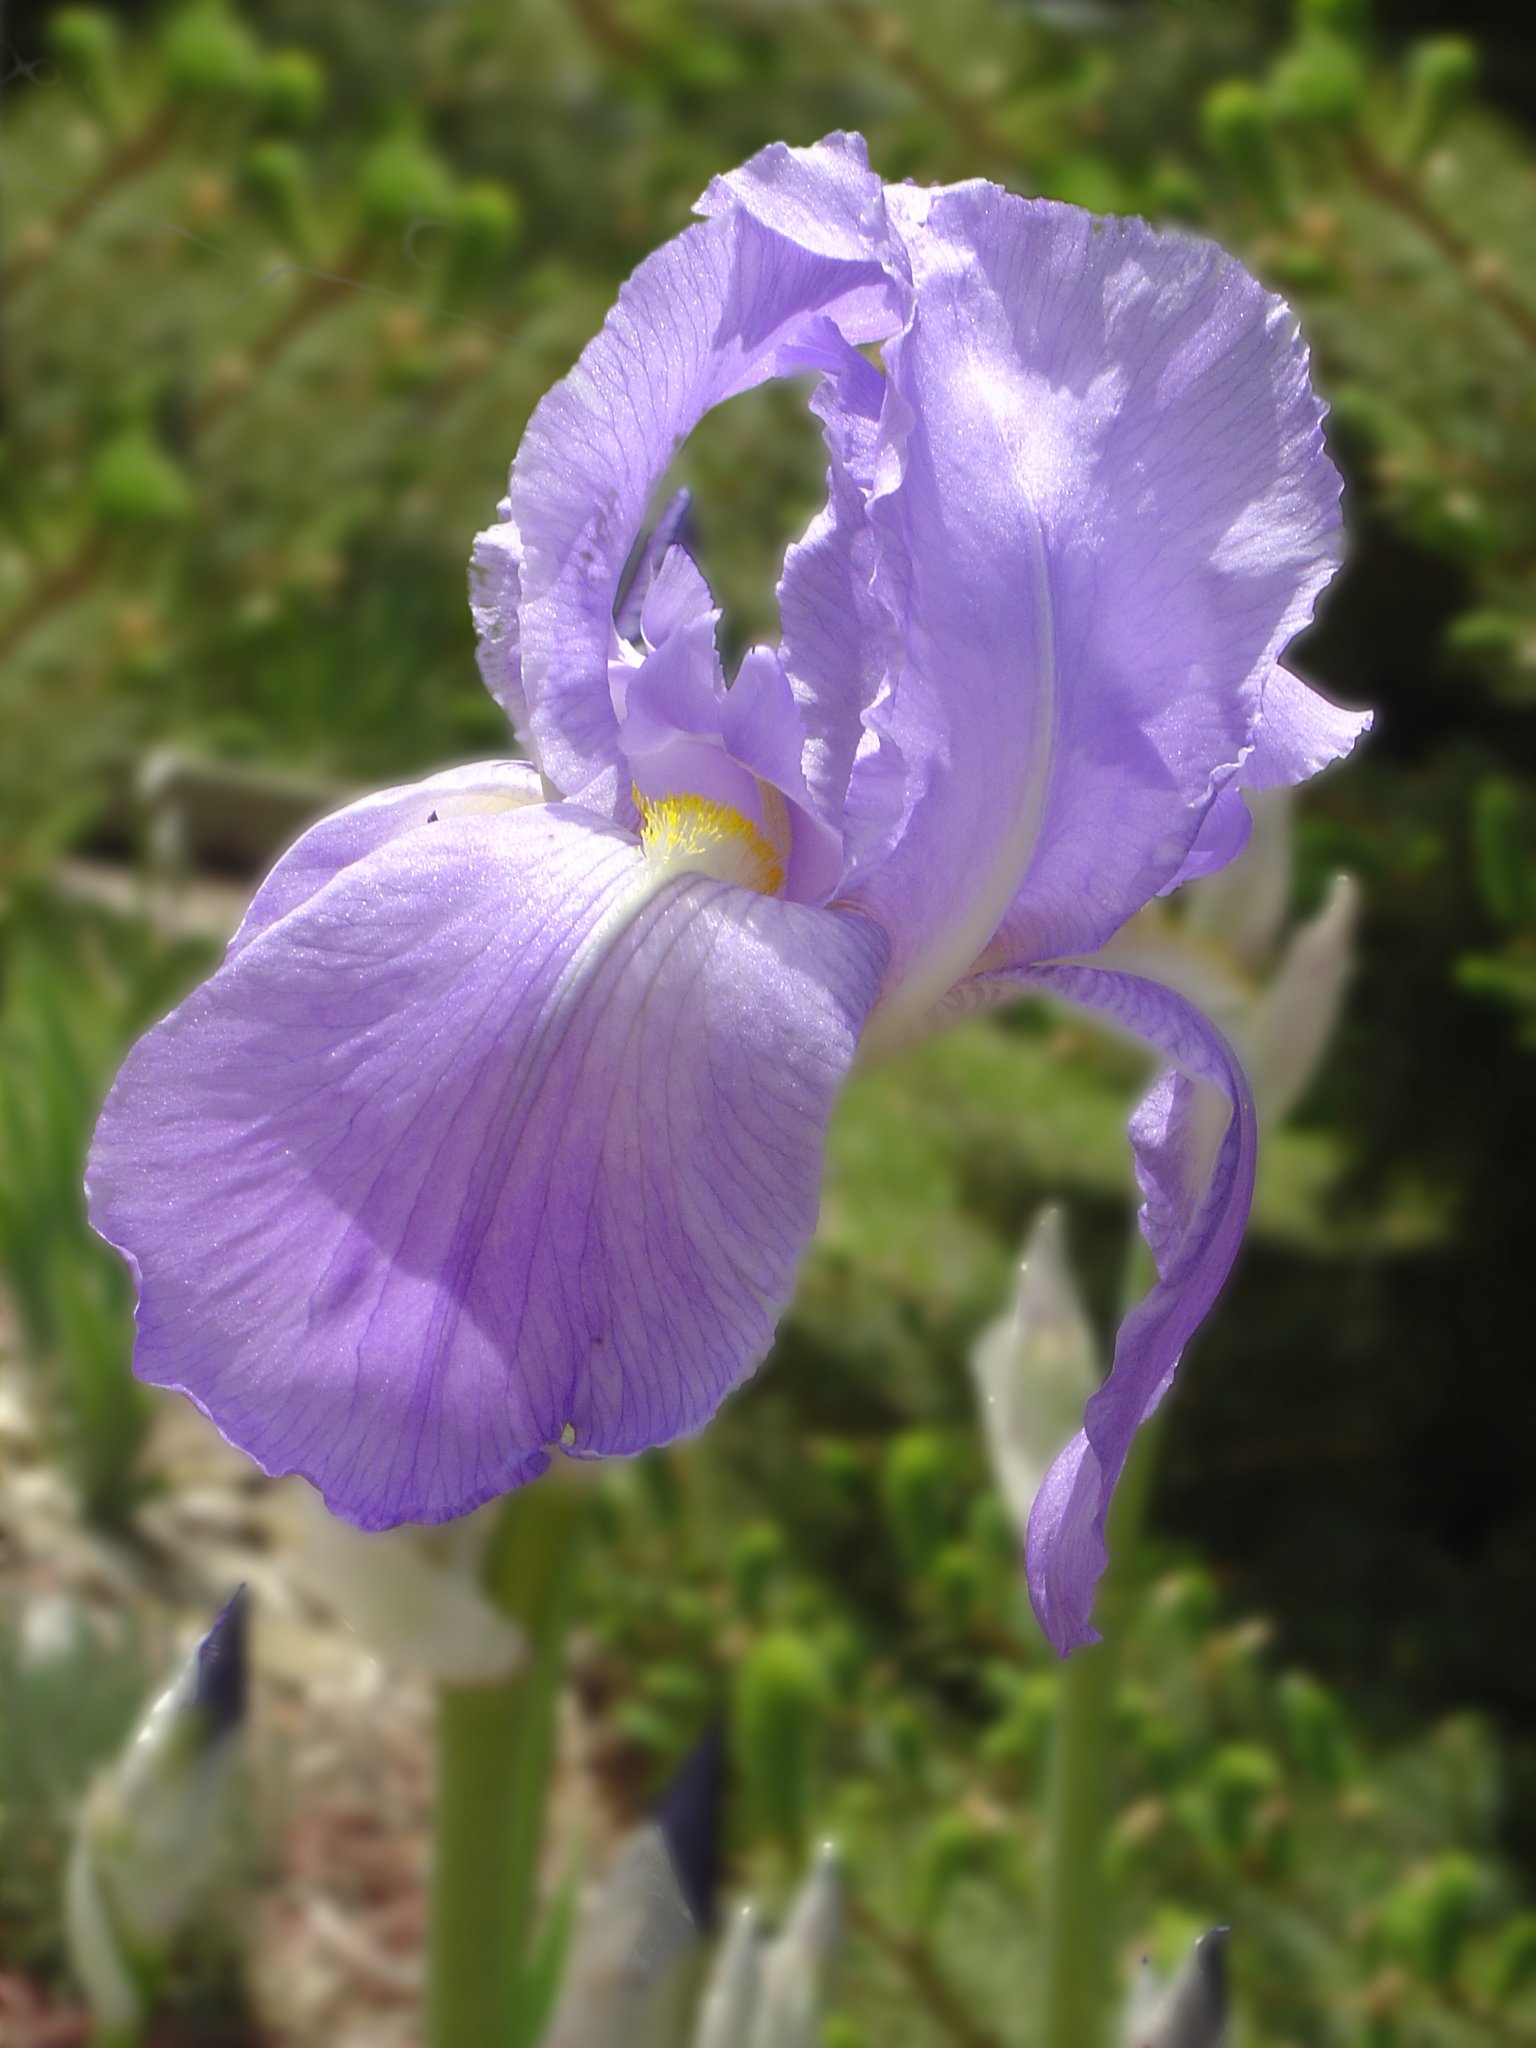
[[495, 591], [707, 316], [501, 1141], [1114, 513], [1194, 1210], [842, 635]]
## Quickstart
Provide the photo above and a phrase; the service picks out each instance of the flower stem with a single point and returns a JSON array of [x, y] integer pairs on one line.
[[1075, 1988], [495, 1748], [1077, 1979]]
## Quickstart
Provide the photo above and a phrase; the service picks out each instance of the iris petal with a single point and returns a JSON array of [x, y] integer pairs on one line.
[[704, 318], [346, 836], [1298, 734], [842, 635], [1115, 511], [493, 1141], [495, 591]]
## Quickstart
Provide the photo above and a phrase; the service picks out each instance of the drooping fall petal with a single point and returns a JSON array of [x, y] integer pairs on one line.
[[497, 1142], [1195, 1206]]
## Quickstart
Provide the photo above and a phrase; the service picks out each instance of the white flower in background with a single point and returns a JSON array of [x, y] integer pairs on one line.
[[1242, 908], [413, 1595], [1191, 2012], [1035, 1368], [152, 1828], [1217, 941], [1292, 1020]]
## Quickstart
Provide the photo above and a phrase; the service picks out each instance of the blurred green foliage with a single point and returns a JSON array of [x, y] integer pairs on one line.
[[1365, 1881], [76, 989], [280, 287]]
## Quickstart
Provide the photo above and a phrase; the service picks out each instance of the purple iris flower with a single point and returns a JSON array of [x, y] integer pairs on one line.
[[499, 1131]]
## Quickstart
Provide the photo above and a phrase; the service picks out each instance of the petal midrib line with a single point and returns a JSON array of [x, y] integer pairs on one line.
[[944, 961], [557, 1019]]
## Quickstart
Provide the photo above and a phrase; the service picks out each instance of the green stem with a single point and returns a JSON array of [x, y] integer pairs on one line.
[[1077, 1978], [913, 1957], [495, 1747], [535, 1581], [1075, 1986]]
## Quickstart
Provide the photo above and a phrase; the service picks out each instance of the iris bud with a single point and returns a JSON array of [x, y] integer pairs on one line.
[[1035, 1368], [771, 1996], [1193, 2011], [797, 1966], [1294, 1018], [152, 1827], [625, 1975], [731, 1995]]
